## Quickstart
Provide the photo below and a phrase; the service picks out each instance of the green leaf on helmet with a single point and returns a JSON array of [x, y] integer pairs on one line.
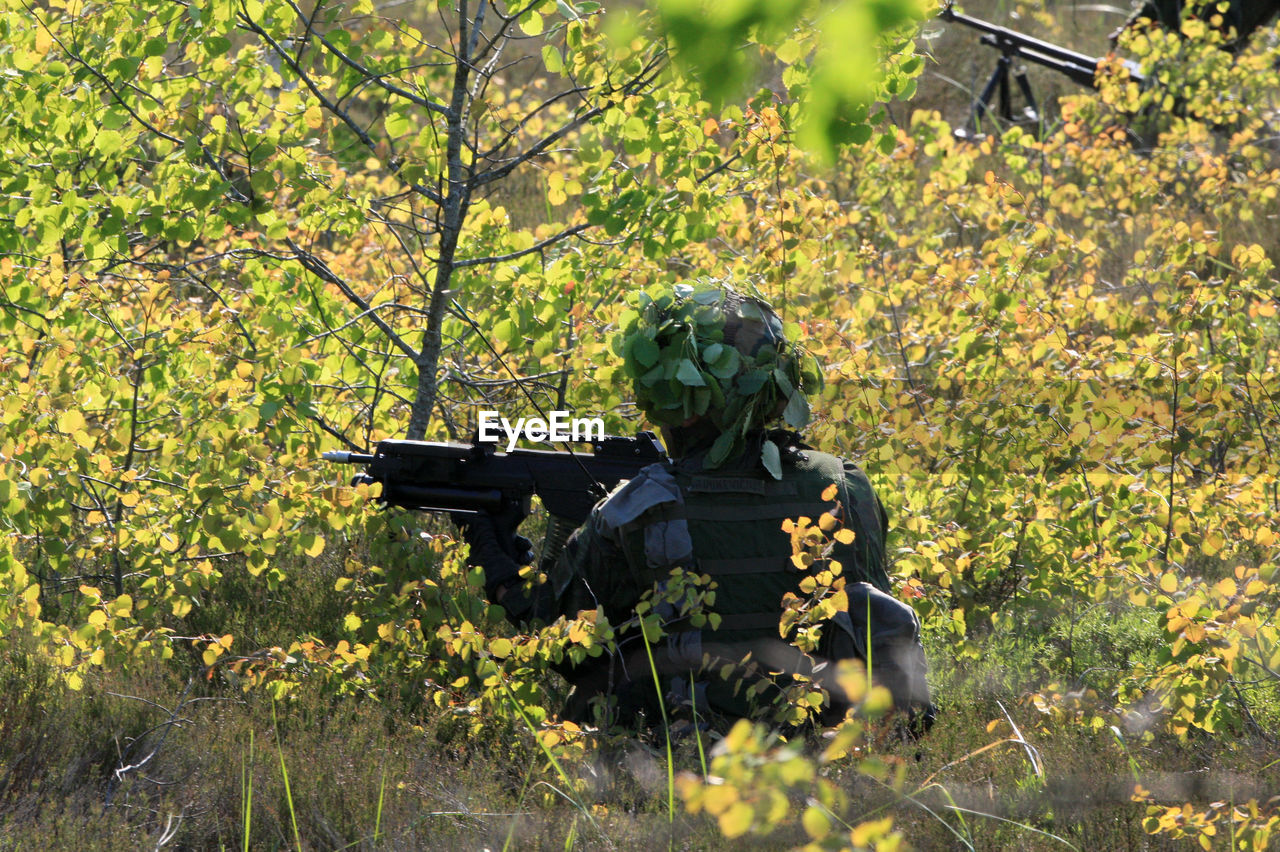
[[712, 353], [796, 414], [750, 310], [710, 296], [701, 401], [644, 351], [784, 382], [708, 317], [766, 356], [771, 459], [727, 365], [749, 383], [720, 450], [689, 375], [652, 377], [717, 394]]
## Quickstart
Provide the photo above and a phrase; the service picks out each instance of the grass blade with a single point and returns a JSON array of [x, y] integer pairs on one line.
[[246, 793], [284, 773]]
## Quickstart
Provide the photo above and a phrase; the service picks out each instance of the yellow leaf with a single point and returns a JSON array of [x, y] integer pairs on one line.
[[313, 118], [71, 421], [868, 834], [736, 821], [315, 547], [827, 522], [844, 536], [816, 823], [1169, 583], [718, 798], [501, 648], [44, 40], [829, 493]]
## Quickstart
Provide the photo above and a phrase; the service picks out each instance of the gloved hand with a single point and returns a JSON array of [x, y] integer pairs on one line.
[[499, 555]]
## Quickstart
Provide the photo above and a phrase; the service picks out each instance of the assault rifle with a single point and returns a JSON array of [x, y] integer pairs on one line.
[[473, 478], [1079, 67]]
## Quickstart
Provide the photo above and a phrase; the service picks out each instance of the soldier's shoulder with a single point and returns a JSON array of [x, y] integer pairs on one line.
[[651, 487]]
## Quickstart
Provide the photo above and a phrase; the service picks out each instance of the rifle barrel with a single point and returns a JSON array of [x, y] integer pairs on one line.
[[346, 457], [1080, 67]]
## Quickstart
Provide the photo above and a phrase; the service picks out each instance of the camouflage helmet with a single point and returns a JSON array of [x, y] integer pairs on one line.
[[701, 350]]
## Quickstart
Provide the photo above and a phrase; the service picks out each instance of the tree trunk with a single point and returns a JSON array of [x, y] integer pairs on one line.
[[453, 214]]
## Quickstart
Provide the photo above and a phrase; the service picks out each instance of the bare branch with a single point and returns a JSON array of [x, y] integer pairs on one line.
[[645, 77], [502, 258], [371, 75], [319, 268]]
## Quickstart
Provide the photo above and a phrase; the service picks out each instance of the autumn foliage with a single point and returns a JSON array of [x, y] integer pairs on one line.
[[1058, 358]]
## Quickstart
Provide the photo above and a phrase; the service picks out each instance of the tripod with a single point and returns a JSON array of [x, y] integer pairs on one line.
[[998, 83]]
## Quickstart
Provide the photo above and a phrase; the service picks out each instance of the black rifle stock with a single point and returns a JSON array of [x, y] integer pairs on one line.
[[469, 478], [1078, 67]]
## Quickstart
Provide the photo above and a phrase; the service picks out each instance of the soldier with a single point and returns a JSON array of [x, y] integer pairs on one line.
[[1240, 18], [715, 369]]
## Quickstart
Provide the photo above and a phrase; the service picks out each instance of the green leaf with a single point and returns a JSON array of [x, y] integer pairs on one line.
[[689, 375], [107, 142], [397, 124], [784, 381], [551, 59], [727, 365], [749, 383], [796, 414], [645, 351], [720, 449], [532, 25], [771, 459]]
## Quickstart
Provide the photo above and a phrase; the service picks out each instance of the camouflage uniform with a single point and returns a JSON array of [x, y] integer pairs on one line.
[[727, 524], [1242, 16]]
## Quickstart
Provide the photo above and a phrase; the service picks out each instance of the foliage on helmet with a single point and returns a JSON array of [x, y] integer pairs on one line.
[[704, 351]]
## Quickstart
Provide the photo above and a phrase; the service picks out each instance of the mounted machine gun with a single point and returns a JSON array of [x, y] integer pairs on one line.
[[1079, 67]]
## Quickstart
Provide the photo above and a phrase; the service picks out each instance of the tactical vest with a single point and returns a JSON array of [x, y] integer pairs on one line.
[[728, 524]]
